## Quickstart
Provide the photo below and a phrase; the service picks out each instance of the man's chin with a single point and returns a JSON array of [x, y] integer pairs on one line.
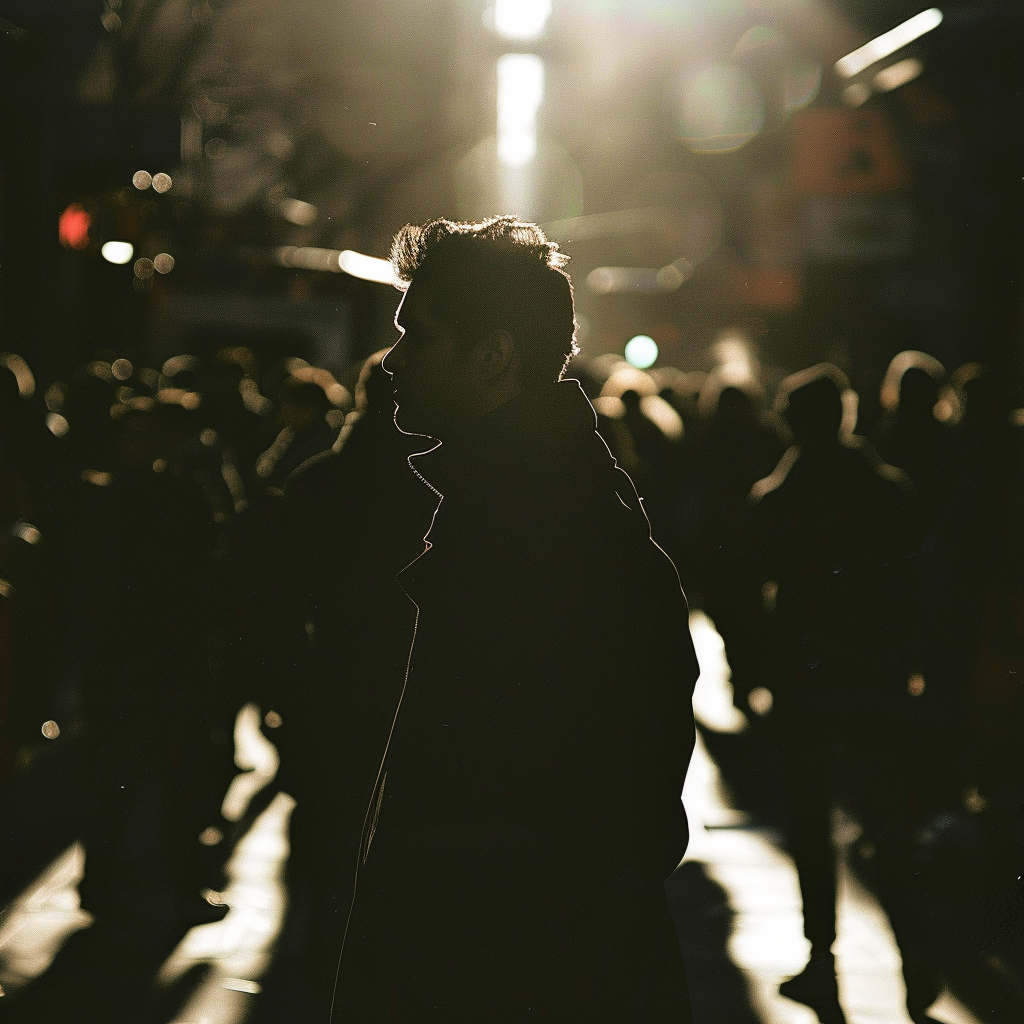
[[408, 423]]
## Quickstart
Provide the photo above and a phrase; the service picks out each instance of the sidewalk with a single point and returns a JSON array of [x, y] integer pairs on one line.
[[735, 900]]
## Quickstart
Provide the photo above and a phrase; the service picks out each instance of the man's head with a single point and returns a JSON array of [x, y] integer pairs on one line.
[[818, 405], [487, 311]]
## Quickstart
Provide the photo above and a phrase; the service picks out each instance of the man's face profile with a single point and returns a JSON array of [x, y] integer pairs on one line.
[[430, 383]]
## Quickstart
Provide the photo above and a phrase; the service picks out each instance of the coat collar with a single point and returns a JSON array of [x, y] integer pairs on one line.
[[545, 429]]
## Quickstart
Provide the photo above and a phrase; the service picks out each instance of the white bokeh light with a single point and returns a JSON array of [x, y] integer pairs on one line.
[[641, 351], [117, 252], [521, 19]]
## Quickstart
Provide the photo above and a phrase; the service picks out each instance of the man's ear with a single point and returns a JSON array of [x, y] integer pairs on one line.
[[494, 357]]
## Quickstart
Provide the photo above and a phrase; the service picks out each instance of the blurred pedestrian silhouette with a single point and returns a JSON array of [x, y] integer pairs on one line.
[[835, 538], [914, 434], [732, 447], [528, 808], [308, 398]]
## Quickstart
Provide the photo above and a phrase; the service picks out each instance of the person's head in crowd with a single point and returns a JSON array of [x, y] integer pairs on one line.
[[233, 398], [816, 405], [725, 400], [185, 372], [303, 404], [10, 399], [17, 386], [985, 399], [487, 312], [911, 387], [91, 395]]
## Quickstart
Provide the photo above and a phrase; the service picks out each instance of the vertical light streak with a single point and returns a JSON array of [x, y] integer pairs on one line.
[[520, 94]]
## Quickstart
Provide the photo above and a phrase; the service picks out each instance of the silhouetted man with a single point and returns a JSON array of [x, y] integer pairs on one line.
[[835, 536], [528, 808]]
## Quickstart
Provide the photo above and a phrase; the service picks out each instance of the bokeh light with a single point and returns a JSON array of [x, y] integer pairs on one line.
[[736, 362], [641, 351], [857, 94], [57, 424], [162, 182], [760, 43], [760, 700], [73, 227], [163, 263], [22, 373], [117, 252], [521, 19], [298, 212], [142, 179], [898, 74]]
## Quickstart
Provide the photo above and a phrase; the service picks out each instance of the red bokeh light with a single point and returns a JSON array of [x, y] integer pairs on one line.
[[73, 227]]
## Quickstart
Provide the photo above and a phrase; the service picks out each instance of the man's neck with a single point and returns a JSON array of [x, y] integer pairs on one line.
[[486, 403]]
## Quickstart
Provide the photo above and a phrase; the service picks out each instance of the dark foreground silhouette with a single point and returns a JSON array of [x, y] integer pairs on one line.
[[528, 808]]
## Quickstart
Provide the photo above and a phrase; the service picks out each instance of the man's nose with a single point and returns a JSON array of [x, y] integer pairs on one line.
[[394, 360]]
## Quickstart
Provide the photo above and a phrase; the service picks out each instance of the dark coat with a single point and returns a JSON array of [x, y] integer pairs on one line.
[[529, 806], [352, 518]]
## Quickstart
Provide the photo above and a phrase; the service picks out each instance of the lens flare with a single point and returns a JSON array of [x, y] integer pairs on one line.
[[722, 110]]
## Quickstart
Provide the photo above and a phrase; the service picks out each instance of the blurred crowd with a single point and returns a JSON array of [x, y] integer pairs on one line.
[[176, 542]]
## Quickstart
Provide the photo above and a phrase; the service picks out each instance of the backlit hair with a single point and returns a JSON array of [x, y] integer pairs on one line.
[[497, 274]]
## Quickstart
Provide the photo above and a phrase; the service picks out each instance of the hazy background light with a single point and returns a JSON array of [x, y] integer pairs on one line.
[[520, 93], [521, 19], [639, 280], [56, 424], [898, 74], [857, 94], [22, 373], [736, 362], [117, 252], [308, 257], [297, 212], [722, 109], [888, 43], [641, 351]]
